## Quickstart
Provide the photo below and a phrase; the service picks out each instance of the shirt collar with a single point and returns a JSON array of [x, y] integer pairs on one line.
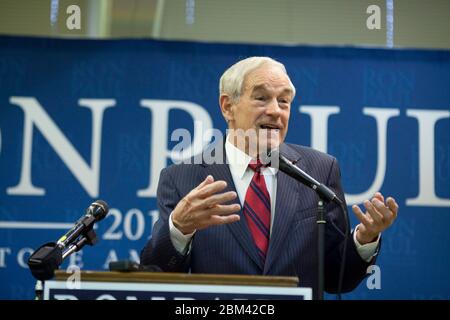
[[238, 160]]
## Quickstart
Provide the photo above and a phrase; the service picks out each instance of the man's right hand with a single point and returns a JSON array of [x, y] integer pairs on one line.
[[203, 207]]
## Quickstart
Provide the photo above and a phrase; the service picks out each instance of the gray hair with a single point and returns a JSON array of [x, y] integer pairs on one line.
[[232, 80]]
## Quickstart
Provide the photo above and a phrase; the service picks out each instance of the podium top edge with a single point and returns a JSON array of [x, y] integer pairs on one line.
[[182, 278]]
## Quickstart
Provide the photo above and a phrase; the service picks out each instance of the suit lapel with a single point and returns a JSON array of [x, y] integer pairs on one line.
[[286, 202]]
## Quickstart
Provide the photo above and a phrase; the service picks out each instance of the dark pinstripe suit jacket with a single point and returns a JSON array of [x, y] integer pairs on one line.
[[229, 249]]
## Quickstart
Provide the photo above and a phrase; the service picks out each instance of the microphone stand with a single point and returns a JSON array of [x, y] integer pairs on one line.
[[39, 290], [325, 195], [321, 223], [321, 226]]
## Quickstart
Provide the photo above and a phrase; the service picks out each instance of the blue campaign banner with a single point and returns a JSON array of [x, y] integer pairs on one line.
[[82, 120]]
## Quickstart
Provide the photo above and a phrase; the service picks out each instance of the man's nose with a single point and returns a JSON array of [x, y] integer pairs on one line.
[[273, 108]]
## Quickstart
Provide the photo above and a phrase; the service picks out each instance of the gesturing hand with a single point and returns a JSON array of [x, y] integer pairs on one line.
[[378, 217], [203, 207]]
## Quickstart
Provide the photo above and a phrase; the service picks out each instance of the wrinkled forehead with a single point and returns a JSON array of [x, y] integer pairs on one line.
[[267, 77]]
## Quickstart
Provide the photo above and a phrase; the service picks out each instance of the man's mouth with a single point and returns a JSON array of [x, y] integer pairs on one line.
[[269, 127]]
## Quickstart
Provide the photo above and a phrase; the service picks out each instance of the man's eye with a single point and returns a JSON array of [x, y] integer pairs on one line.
[[260, 98]]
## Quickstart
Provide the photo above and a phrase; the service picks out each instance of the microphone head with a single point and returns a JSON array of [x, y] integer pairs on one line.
[[98, 209]]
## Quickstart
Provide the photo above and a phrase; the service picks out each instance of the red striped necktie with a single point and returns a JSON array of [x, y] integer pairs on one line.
[[257, 210]]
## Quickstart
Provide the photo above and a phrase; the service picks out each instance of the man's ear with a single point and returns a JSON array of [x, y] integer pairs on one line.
[[226, 106]]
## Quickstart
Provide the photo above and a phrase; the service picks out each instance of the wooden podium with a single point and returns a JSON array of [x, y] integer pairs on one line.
[[113, 285]]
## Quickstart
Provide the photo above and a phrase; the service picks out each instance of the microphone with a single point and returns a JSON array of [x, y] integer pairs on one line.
[[286, 166], [94, 213], [48, 257]]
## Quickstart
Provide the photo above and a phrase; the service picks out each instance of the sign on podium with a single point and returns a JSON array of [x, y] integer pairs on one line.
[[113, 285]]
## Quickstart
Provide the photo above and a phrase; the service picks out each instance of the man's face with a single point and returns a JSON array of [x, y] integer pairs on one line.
[[264, 106]]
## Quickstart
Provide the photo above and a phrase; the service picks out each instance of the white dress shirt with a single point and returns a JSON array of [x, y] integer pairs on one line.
[[242, 176]]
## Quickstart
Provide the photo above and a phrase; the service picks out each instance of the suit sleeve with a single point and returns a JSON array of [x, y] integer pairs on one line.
[[355, 269], [159, 250]]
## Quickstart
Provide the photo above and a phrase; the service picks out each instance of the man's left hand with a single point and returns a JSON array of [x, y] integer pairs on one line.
[[378, 217]]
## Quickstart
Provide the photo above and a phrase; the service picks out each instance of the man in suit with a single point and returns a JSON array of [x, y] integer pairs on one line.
[[237, 216]]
